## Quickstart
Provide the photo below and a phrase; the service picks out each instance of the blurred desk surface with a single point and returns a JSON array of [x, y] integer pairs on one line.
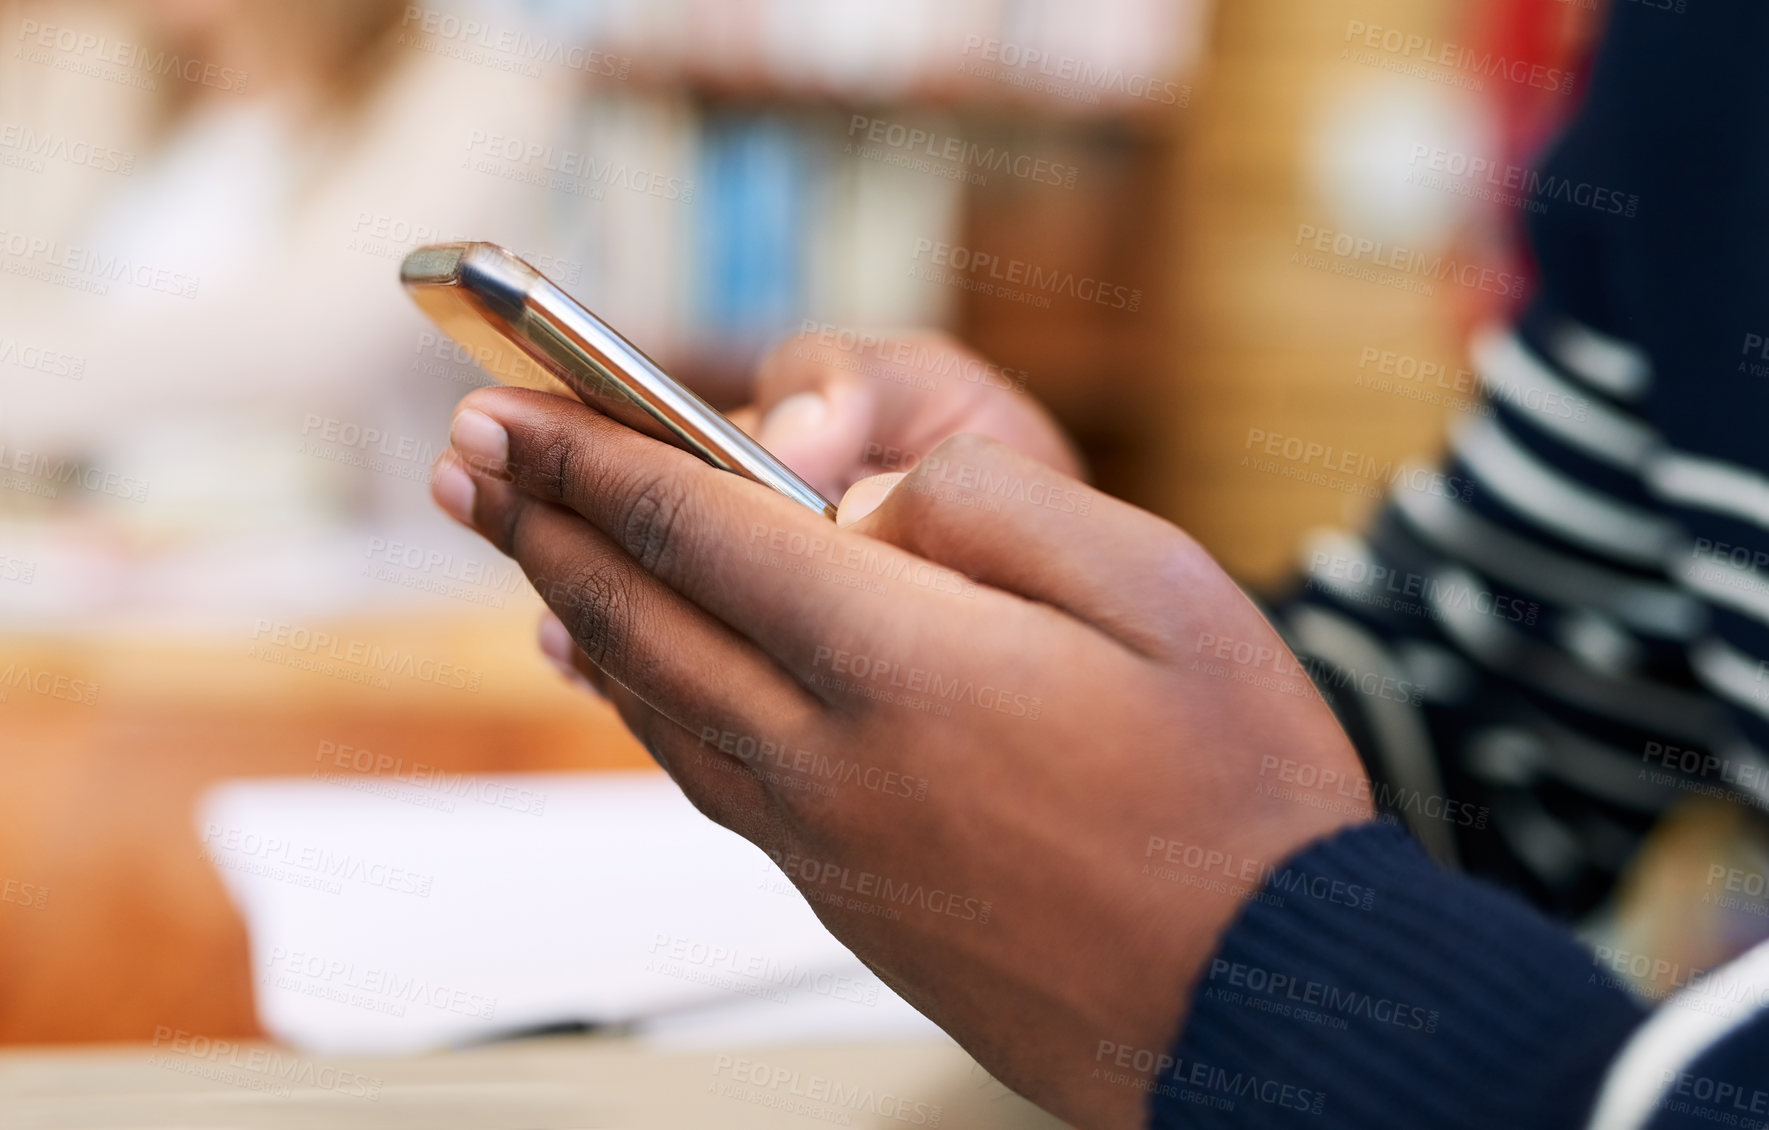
[[560, 1082], [111, 923]]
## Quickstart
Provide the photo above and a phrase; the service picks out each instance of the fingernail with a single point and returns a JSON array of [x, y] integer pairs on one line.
[[480, 438], [864, 497], [800, 414], [453, 490]]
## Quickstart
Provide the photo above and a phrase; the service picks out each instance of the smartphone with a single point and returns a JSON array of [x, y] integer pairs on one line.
[[525, 331]]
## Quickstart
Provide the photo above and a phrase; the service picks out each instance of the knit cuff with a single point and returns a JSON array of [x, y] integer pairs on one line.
[[1365, 986]]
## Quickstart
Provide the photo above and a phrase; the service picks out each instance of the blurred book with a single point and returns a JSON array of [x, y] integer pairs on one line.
[[407, 908], [751, 244]]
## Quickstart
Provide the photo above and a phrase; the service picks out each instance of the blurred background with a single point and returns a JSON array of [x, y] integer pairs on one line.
[[218, 411]]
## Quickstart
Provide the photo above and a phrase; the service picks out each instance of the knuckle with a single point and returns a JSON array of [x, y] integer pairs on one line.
[[959, 465], [592, 602], [651, 523], [552, 467]]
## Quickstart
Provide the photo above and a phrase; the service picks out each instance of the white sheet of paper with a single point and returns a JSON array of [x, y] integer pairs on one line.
[[403, 911]]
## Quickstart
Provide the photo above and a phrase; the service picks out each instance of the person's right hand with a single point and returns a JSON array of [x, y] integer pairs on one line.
[[837, 407], [1014, 740]]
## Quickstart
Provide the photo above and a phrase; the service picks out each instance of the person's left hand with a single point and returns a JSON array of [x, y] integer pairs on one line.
[[838, 406], [971, 726]]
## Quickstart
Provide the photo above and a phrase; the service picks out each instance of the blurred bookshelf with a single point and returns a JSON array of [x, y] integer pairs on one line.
[[1262, 345], [828, 157]]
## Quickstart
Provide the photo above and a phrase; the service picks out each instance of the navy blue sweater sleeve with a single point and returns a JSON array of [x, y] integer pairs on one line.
[[1364, 986], [1726, 1086]]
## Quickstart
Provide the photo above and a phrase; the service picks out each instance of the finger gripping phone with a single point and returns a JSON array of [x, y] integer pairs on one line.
[[525, 331]]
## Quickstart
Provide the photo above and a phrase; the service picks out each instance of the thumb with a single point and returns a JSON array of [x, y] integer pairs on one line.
[[865, 496], [1003, 519]]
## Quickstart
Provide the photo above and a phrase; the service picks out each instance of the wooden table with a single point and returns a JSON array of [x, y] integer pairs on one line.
[[111, 924], [570, 1082]]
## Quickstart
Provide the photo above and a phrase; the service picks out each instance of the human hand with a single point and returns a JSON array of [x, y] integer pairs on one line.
[[1023, 687], [837, 406]]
